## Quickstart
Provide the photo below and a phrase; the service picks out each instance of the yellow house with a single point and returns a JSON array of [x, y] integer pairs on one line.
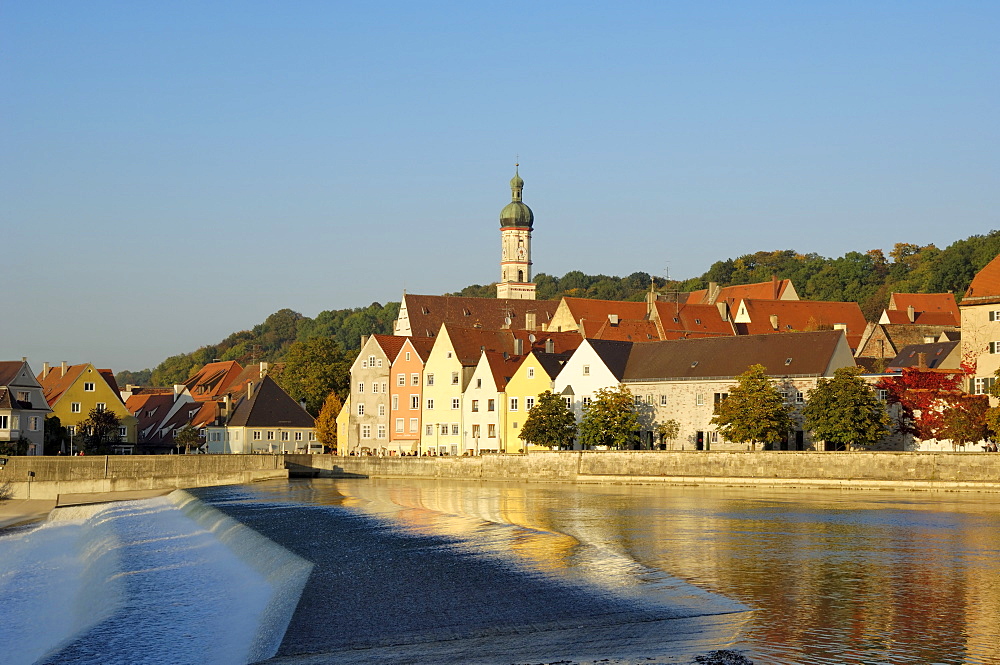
[[343, 425], [533, 377], [72, 391]]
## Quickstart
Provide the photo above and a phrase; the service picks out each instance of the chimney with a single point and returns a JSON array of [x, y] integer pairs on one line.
[[774, 321], [550, 345], [62, 365], [45, 370], [224, 410], [911, 314], [613, 318], [302, 403], [249, 389], [263, 369], [364, 340], [921, 360], [840, 326], [518, 346], [775, 287], [178, 389], [723, 310], [530, 321], [713, 291]]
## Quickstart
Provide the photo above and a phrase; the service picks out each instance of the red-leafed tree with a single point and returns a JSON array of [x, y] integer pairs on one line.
[[964, 420], [923, 396]]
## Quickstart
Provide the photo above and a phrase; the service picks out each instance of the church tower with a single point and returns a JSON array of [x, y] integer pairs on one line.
[[516, 220]]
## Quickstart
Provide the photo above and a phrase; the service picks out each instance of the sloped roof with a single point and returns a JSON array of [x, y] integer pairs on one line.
[[469, 343], [901, 317], [212, 380], [627, 330], [552, 363], [685, 320], [800, 353], [425, 314], [924, 302], [150, 407], [985, 286], [800, 316], [601, 310], [390, 345], [56, 383], [614, 354], [937, 355], [270, 406], [772, 290], [8, 401], [9, 369], [502, 367], [421, 346]]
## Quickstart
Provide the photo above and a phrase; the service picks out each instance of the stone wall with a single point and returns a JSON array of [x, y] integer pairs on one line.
[[53, 476], [860, 470]]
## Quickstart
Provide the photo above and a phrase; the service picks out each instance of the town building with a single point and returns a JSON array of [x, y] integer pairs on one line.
[[22, 407], [406, 394], [265, 420], [980, 315], [72, 391], [483, 403], [370, 403], [532, 377]]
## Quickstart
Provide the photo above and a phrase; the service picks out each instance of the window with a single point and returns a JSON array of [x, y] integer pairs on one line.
[[883, 395], [713, 437], [414, 426], [513, 404], [982, 385], [475, 431], [454, 429], [663, 400], [479, 383], [995, 315], [429, 430], [298, 436], [381, 410], [256, 435], [100, 406], [414, 379], [430, 403], [399, 425], [371, 361], [456, 403], [74, 407], [385, 387], [454, 378], [491, 405], [270, 436], [89, 387], [994, 347], [491, 431], [719, 397], [531, 372], [586, 402], [407, 356], [568, 401], [475, 405], [699, 399], [23, 396], [529, 403], [444, 429], [379, 362], [381, 431], [400, 379], [414, 401], [33, 423], [122, 432], [4, 422], [374, 387], [638, 400], [395, 402], [649, 399], [586, 370], [799, 397], [366, 431], [284, 436], [361, 386], [430, 379], [361, 409]]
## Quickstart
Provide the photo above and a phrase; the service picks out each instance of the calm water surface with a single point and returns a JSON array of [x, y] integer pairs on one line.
[[831, 577]]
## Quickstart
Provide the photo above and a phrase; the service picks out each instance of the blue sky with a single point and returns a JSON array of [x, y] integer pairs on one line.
[[173, 172]]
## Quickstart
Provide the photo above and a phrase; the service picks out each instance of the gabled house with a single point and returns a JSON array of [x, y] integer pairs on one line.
[[533, 376], [596, 364], [152, 408], [22, 406], [980, 309], [213, 380], [935, 355], [683, 380], [929, 309], [592, 314], [423, 316], [881, 342], [676, 320], [776, 289], [266, 420], [483, 403], [370, 377], [72, 391], [405, 394]]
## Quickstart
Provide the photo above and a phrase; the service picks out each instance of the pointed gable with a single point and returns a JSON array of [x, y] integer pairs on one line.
[[614, 354], [212, 380], [684, 320], [270, 406], [759, 317], [985, 286]]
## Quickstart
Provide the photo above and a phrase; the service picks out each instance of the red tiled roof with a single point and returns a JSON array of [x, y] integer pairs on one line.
[[601, 310], [157, 400], [801, 315], [985, 285], [691, 321], [502, 367], [924, 302], [213, 379], [9, 370], [56, 383], [425, 314], [627, 330], [900, 317], [772, 290], [391, 344]]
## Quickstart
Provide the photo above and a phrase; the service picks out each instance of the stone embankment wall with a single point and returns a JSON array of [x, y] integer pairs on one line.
[[859, 470], [54, 476]]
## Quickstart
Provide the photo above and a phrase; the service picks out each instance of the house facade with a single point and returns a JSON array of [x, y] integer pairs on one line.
[[406, 394], [72, 391], [266, 420], [22, 407], [980, 314], [368, 430]]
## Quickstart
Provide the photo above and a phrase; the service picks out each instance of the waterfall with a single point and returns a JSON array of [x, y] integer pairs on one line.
[[166, 580]]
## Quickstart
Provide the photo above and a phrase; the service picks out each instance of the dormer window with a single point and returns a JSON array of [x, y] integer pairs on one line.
[[788, 361], [694, 364]]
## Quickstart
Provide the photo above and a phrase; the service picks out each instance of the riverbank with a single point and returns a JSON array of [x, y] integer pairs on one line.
[[14, 512]]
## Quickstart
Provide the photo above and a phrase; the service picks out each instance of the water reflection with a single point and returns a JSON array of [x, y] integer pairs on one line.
[[837, 577]]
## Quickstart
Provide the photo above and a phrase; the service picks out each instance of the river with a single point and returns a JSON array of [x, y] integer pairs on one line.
[[425, 571]]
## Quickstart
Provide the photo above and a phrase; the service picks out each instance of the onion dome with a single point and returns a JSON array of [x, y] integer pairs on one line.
[[516, 213]]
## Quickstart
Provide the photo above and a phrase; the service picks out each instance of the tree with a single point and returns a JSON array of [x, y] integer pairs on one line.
[[610, 420], [845, 411], [668, 429], [313, 369], [964, 420], [99, 431], [326, 423], [18, 446], [549, 423], [56, 435], [187, 436], [922, 396], [754, 412]]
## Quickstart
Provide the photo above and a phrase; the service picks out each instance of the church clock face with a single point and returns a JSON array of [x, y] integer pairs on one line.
[[520, 253]]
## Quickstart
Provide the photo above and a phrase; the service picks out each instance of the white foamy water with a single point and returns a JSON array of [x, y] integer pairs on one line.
[[166, 580]]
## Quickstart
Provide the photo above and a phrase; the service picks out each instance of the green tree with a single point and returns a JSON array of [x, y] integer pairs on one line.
[[965, 420], [55, 437], [549, 423], [313, 369], [668, 429], [188, 437], [610, 420], [18, 446], [845, 411], [326, 423], [754, 412], [98, 432]]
